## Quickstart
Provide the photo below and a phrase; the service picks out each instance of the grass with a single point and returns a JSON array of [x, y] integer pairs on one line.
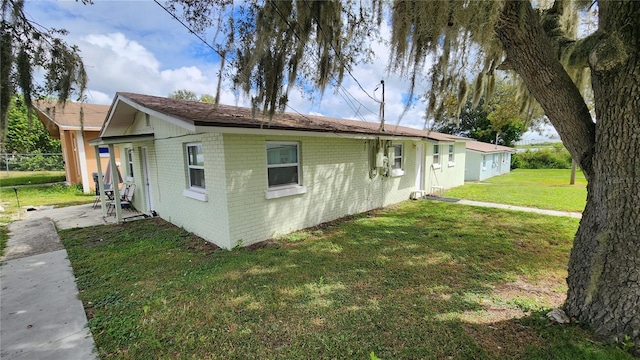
[[58, 195], [540, 188], [14, 178], [424, 280]]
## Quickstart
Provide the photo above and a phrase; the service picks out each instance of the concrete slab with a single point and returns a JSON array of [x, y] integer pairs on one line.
[[74, 216], [40, 314]]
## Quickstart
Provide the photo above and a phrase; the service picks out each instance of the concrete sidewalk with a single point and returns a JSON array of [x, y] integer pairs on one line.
[[575, 215], [41, 316]]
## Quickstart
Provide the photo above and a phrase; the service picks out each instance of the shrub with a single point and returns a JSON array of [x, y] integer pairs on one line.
[[554, 157]]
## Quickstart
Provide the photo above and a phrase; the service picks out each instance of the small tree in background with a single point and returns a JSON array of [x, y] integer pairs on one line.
[[25, 136], [184, 94], [497, 122]]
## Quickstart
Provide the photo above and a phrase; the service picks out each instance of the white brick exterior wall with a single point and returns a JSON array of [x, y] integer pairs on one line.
[[334, 171], [167, 159]]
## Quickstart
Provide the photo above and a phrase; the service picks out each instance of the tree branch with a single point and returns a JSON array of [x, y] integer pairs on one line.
[[532, 55]]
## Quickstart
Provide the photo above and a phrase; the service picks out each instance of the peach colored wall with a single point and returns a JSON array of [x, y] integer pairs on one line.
[[72, 162]]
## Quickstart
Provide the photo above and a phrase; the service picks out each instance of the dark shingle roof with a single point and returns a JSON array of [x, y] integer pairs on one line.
[[203, 114]]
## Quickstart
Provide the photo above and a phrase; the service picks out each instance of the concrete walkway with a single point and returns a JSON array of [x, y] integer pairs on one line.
[[575, 215], [41, 316]]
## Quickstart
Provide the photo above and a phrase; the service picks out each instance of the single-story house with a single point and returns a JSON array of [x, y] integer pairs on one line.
[[235, 179], [62, 121], [486, 160]]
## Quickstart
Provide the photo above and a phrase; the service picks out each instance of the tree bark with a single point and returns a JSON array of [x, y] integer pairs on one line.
[[604, 267]]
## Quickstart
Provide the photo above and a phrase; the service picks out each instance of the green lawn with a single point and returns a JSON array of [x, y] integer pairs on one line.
[[14, 178], [541, 188], [424, 280]]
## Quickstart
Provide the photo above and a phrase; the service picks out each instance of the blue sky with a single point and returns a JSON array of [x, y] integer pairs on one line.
[[135, 46]]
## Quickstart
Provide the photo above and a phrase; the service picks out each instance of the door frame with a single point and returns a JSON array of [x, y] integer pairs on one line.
[[147, 178]]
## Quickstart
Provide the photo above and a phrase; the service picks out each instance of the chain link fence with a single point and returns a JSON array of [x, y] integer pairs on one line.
[[31, 162]]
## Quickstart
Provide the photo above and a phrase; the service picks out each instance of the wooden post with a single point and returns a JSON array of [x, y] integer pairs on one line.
[[103, 205]]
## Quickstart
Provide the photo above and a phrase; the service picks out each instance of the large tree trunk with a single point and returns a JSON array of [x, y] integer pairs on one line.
[[604, 268]]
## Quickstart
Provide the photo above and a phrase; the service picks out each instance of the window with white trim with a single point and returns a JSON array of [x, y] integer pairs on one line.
[[436, 154], [195, 166], [484, 161], [129, 158], [397, 156], [451, 155], [283, 164]]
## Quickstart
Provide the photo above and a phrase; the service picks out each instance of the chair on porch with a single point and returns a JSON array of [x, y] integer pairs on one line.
[[125, 200], [108, 192]]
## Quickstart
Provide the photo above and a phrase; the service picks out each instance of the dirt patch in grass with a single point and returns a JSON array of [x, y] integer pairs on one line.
[[504, 339], [544, 291], [499, 330], [261, 245]]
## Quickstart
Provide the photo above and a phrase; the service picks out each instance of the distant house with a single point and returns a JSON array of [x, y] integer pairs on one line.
[[63, 122], [485, 160], [235, 180]]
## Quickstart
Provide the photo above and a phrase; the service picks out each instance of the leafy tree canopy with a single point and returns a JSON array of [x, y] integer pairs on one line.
[[26, 47], [25, 136], [184, 94]]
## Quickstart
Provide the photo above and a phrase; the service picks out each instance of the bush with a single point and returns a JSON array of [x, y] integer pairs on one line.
[[33, 162], [554, 157]]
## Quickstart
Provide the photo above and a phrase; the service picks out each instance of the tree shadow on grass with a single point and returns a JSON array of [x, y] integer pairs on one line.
[[418, 281]]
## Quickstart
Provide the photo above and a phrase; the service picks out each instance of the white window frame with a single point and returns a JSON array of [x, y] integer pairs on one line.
[[397, 171], [484, 162], [452, 155], [192, 191], [396, 156], [129, 159], [436, 156], [277, 191]]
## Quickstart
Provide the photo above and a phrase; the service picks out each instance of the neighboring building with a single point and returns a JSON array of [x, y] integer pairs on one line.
[[486, 160], [63, 122], [236, 180]]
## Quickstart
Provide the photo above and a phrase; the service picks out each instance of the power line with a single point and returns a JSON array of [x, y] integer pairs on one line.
[[350, 104], [338, 53], [191, 31]]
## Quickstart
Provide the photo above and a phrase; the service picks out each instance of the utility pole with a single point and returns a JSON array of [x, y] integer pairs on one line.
[[382, 108]]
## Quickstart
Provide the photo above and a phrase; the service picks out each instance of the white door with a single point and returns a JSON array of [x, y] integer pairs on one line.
[[147, 180], [419, 167]]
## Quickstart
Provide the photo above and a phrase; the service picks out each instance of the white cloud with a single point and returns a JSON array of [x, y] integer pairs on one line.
[[126, 49], [116, 63]]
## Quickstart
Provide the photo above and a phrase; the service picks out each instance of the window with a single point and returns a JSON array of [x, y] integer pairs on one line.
[[452, 156], [484, 161], [436, 154], [195, 166], [129, 157], [397, 156], [283, 165]]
